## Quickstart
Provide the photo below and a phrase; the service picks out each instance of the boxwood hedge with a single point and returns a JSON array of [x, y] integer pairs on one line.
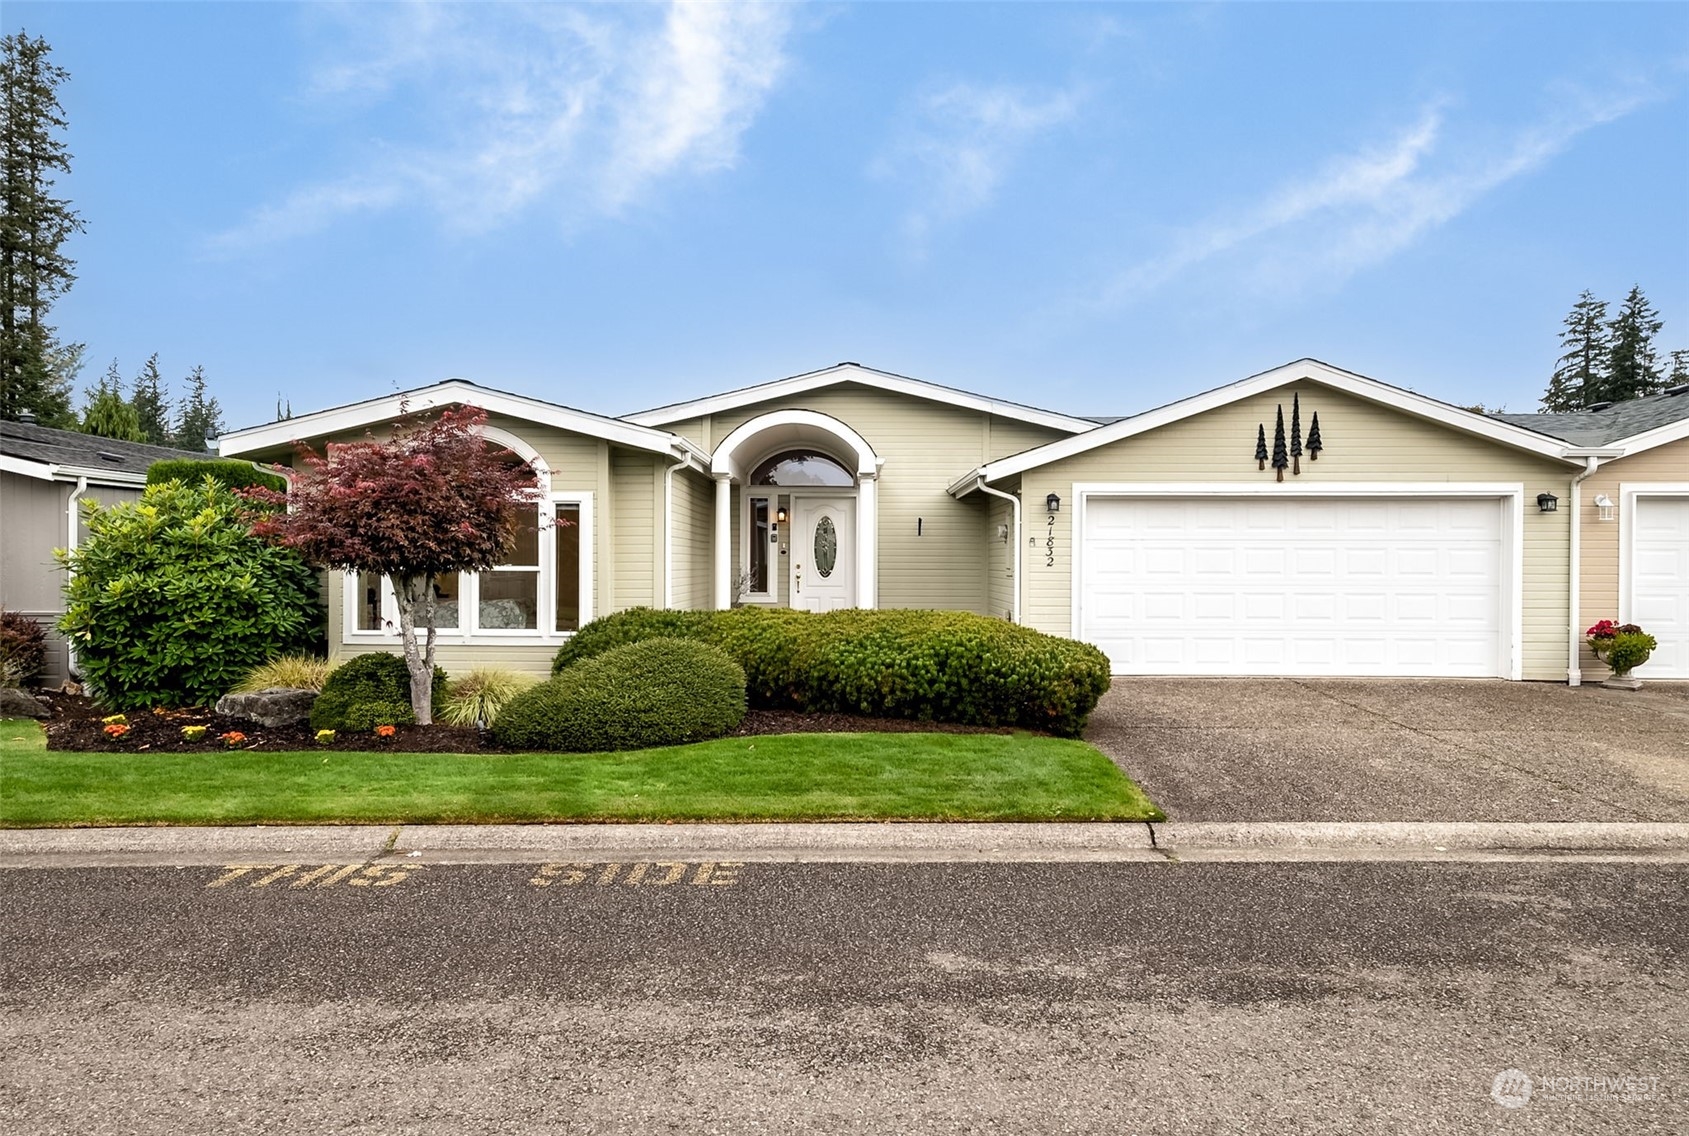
[[370, 690], [656, 692], [938, 665]]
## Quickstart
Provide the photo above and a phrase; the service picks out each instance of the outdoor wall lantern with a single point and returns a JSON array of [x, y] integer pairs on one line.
[[1053, 503], [780, 515], [1604, 506], [1547, 502]]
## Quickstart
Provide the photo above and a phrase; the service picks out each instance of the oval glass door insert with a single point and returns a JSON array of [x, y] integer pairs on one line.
[[826, 546]]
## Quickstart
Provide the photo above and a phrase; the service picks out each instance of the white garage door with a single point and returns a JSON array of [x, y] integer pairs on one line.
[[1295, 586], [1659, 582]]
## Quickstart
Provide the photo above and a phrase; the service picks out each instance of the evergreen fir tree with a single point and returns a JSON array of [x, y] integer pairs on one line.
[[197, 415], [1261, 446], [1679, 368], [1295, 432], [33, 226], [1581, 371], [152, 405], [1634, 369], [1315, 442], [108, 413]]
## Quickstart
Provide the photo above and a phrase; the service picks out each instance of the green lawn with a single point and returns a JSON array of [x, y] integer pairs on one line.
[[783, 777]]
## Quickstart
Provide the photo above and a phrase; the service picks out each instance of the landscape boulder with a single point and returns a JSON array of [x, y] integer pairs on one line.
[[15, 703], [274, 708]]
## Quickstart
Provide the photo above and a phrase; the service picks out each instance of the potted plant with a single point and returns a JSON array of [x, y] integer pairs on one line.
[[1623, 647]]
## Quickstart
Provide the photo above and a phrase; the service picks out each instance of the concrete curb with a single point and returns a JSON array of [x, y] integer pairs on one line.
[[867, 843]]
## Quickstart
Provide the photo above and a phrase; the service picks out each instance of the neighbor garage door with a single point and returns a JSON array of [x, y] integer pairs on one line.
[[1659, 582], [1295, 586]]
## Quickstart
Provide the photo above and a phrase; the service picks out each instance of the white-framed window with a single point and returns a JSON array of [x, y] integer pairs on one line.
[[760, 531], [542, 593]]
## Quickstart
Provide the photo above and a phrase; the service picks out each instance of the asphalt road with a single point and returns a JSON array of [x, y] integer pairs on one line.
[[1024, 998]]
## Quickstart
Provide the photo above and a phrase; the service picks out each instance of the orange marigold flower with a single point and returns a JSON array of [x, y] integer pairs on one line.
[[386, 731]]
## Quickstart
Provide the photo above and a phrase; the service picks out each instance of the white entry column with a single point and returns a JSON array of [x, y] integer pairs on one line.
[[867, 540], [723, 541]]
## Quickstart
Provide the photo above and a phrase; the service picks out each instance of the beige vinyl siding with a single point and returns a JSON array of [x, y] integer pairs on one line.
[[694, 537], [1598, 589], [636, 539], [1000, 562], [925, 446], [1363, 442]]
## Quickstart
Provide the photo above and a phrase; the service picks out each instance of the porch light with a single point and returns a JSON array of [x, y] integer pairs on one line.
[[1053, 503], [780, 514], [1547, 502], [1604, 506]]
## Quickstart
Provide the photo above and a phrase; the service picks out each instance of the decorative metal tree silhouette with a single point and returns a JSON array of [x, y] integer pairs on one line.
[[1261, 446], [1280, 459], [1314, 443], [1295, 432]]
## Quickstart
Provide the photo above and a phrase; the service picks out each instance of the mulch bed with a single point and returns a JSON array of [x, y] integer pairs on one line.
[[76, 725]]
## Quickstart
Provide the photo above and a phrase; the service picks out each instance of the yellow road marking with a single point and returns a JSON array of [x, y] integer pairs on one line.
[[641, 873]]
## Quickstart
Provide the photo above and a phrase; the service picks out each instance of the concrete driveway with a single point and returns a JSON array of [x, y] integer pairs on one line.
[[1399, 749]]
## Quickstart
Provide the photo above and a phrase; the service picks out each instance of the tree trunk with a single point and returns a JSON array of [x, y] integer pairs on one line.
[[415, 595]]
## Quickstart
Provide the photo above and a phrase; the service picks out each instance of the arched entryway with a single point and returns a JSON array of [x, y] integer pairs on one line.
[[825, 474]]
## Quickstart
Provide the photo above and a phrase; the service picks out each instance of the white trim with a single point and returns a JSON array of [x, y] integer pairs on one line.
[[863, 376], [43, 471], [451, 392], [1512, 494], [770, 495], [1014, 502], [519, 447], [53, 471], [724, 462], [1305, 370], [545, 634], [723, 542], [1629, 491], [1658, 436]]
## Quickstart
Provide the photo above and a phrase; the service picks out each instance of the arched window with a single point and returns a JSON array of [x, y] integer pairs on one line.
[[802, 467]]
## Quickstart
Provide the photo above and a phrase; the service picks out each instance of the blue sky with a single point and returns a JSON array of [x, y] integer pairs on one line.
[[1096, 208]]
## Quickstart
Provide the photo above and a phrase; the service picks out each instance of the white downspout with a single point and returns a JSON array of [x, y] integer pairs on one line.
[[1574, 671], [668, 532], [72, 511], [1015, 503]]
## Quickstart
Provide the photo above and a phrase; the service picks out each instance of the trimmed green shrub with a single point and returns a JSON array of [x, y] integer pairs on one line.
[[172, 600], [23, 649], [943, 666], [377, 680], [658, 692], [366, 716], [230, 473]]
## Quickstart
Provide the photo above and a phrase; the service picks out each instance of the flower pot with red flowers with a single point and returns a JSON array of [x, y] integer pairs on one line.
[[1623, 647]]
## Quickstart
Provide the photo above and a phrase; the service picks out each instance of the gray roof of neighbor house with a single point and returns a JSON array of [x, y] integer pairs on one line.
[[83, 451], [1611, 423]]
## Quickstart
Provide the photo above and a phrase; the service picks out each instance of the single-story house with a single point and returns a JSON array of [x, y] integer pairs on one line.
[[45, 475], [1302, 521]]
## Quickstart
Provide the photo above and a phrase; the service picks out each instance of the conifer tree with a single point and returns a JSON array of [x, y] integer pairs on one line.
[[108, 413], [1679, 368], [151, 403], [1261, 446], [1634, 368], [33, 225], [197, 417], [1581, 371], [1280, 457]]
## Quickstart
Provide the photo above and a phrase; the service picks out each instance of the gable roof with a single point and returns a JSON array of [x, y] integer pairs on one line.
[[1636, 423], [41, 451], [862, 376], [453, 392], [1303, 369]]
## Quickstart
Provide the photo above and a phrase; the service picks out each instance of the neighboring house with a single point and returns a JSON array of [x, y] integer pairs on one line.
[[1632, 519], [1410, 541], [44, 476]]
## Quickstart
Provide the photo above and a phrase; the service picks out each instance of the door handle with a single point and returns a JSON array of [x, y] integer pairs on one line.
[[797, 577]]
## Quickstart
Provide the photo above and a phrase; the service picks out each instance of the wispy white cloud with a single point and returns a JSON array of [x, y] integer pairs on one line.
[[1359, 209], [581, 112], [960, 145]]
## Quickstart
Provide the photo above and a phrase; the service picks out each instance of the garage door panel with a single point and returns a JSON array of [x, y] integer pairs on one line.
[[1295, 586], [1659, 582]]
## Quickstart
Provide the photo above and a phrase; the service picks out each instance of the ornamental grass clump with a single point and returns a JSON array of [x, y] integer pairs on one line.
[[286, 672], [480, 696]]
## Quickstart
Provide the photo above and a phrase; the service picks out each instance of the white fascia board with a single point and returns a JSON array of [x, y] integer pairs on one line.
[[452, 392], [1306, 369], [967, 483], [100, 476], [865, 376], [42, 471], [1658, 436]]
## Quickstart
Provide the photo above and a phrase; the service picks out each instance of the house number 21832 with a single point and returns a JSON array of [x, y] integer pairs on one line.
[[1050, 542]]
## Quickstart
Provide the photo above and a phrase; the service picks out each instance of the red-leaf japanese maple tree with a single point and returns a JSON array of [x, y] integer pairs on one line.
[[436, 498]]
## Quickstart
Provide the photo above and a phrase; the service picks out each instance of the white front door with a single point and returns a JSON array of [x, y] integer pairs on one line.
[[1659, 582], [823, 554]]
